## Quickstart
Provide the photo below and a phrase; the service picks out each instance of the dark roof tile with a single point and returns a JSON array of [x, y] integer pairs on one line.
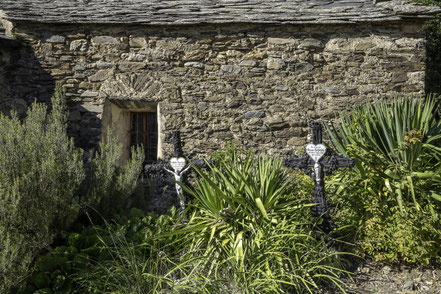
[[171, 12]]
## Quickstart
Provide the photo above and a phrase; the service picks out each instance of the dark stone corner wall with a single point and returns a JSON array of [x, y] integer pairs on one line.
[[257, 85], [22, 79]]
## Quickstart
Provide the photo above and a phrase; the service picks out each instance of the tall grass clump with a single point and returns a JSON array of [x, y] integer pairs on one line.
[[127, 255], [252, 229], [131, 258], [391, 199], [40, 170]]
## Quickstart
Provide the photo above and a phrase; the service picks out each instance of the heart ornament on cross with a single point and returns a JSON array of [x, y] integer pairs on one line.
[[177, 163], [315, 151]]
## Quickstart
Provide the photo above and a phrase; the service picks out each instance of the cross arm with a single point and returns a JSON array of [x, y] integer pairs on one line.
[[161, 165], [156, 167], [330, 163], [201, 163], [333, 162], [339, 161], [298, 162]]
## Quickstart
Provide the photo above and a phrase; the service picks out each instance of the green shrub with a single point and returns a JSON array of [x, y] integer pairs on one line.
[[391, 200], [108, 185], [40, 170], [43, 185]]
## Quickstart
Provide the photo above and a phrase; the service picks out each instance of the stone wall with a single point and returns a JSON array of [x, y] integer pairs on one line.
[[4, 63], [8, 62], [258, 85]]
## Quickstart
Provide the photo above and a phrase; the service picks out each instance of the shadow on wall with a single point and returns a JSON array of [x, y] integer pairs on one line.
[[84, 125], [433, 45], [22, 78]]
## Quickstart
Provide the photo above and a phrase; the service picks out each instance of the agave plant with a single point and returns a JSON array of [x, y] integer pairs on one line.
[[391, 202]]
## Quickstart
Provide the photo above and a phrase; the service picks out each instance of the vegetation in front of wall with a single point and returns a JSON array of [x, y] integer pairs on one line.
[[391, 201], [122, 256], [252, 226], [40, 179], [40, 172], [108, 185], [248, 230]]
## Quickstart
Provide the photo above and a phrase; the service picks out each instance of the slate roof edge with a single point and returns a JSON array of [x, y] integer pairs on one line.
[[422, 18], [412, 8], [389, 10], [6, 41], [3, 30], [185, 23]]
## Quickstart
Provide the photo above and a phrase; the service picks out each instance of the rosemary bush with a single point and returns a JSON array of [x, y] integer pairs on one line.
[[40, 170], [44, 185], [109, 184]]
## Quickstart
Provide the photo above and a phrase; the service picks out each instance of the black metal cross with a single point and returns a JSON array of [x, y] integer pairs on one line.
[[177, 152], [316, 166], [160, 166]]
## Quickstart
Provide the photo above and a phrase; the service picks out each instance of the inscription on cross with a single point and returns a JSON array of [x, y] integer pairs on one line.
[[314, 164]]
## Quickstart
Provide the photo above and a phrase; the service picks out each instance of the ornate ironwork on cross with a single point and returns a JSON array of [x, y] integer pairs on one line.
[[317, 162], [177, 166]]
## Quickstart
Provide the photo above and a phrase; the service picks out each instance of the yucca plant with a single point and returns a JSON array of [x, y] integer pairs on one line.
[[400, 129], [395, 185], [253, 229], [397, 138]]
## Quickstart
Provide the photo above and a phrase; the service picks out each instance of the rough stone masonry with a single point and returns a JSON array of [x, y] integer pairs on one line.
[[254, 72]]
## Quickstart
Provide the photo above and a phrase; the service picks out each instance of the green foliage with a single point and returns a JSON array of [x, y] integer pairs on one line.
[[372, 218], [40, 172], [42, 186], [391, 200], [121, 256], [253, 231], [400, 130], [108, 185], [134, 258], [258, 238]]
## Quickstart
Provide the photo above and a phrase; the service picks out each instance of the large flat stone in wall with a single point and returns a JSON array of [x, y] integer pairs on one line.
[[104, 40], [89, 108]]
